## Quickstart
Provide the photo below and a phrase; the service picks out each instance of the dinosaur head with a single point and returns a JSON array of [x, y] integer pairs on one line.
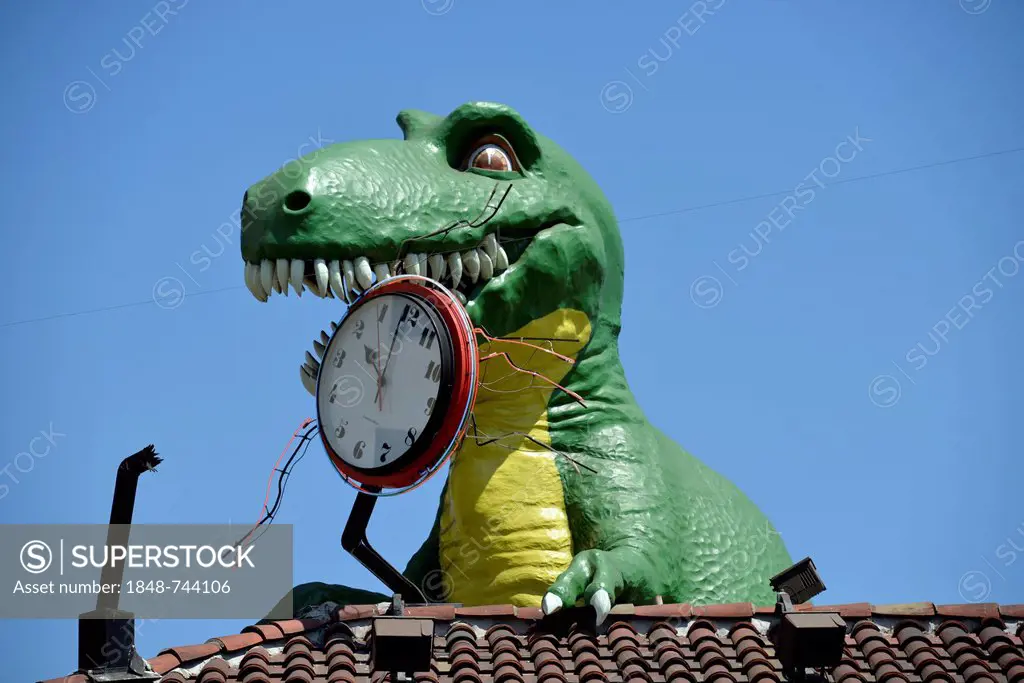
[[476, 200]]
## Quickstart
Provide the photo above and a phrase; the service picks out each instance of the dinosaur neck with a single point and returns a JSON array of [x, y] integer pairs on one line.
[[522, 373]]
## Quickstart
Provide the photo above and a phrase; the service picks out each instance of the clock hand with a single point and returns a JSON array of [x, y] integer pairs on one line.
[[388, 361], [379, 398]]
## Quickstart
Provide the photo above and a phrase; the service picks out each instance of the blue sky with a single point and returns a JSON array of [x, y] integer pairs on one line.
[[793, 371]]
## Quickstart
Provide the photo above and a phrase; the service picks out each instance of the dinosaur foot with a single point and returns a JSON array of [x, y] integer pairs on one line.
[[594, 576]]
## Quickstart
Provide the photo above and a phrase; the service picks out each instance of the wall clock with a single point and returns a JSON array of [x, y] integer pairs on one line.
[[397, 384]]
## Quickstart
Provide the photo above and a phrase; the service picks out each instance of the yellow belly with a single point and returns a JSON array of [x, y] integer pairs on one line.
[[504, 532]]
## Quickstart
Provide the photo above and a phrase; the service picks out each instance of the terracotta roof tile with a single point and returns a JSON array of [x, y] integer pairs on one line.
[[238, 641], [678, 672], [269, 631], [442, 612], [848, 611], [662, 611], [738, 610], [349, 612], [189, 653], [642, 644], [486, 611], [916, 609], [215, 671], [164, 663], [978, 611], [847, 671], [700, 630]]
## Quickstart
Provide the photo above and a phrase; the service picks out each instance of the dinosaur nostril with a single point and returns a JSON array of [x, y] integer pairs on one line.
[[297, 200]]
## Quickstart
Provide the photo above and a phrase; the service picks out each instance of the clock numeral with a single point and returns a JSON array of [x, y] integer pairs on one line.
[[433, 372], [387, 450], [415, 317], [383, 312], [339, 358], [430, 406], [339, 431], [410, 436], [360, 326], [404, 329], [357, 452], [427, 338]]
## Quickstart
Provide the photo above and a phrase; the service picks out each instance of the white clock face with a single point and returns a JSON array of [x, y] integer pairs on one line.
[[379, 381]]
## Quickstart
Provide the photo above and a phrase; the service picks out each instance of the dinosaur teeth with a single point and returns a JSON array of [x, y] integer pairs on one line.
[[437, 266], [471, 262], [364, 275], [346, 280], [267, 276], [297, 269], [412, 264], [349, 274], [283, 275], [322, 274], [501, 260], [486, 265], [455, 268], [248, 281], [334, 280], [253, 281], [490, 246]]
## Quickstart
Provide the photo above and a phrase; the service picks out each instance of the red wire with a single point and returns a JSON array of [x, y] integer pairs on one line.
[[508, 359], [522, 343]]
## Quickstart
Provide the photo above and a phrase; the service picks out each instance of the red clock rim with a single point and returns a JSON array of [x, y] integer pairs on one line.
[[463, 391]]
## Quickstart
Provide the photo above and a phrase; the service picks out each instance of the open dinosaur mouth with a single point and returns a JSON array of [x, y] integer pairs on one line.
[[464, 271]]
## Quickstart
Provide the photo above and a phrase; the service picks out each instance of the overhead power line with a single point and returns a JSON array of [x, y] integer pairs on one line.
[[854, 179], [673, 212]]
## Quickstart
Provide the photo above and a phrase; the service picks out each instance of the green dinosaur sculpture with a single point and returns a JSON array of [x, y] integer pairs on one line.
[[571, 502]]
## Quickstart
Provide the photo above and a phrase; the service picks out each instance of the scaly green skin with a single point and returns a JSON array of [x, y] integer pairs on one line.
[[652, 520]]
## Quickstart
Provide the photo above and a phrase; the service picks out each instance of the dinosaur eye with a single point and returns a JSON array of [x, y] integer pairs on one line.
[[492, 153]]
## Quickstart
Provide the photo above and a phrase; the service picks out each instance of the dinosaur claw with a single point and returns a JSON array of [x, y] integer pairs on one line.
[[550, 603], [602, 604]]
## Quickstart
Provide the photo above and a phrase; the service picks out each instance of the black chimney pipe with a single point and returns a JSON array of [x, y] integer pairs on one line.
[[106, 636]]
